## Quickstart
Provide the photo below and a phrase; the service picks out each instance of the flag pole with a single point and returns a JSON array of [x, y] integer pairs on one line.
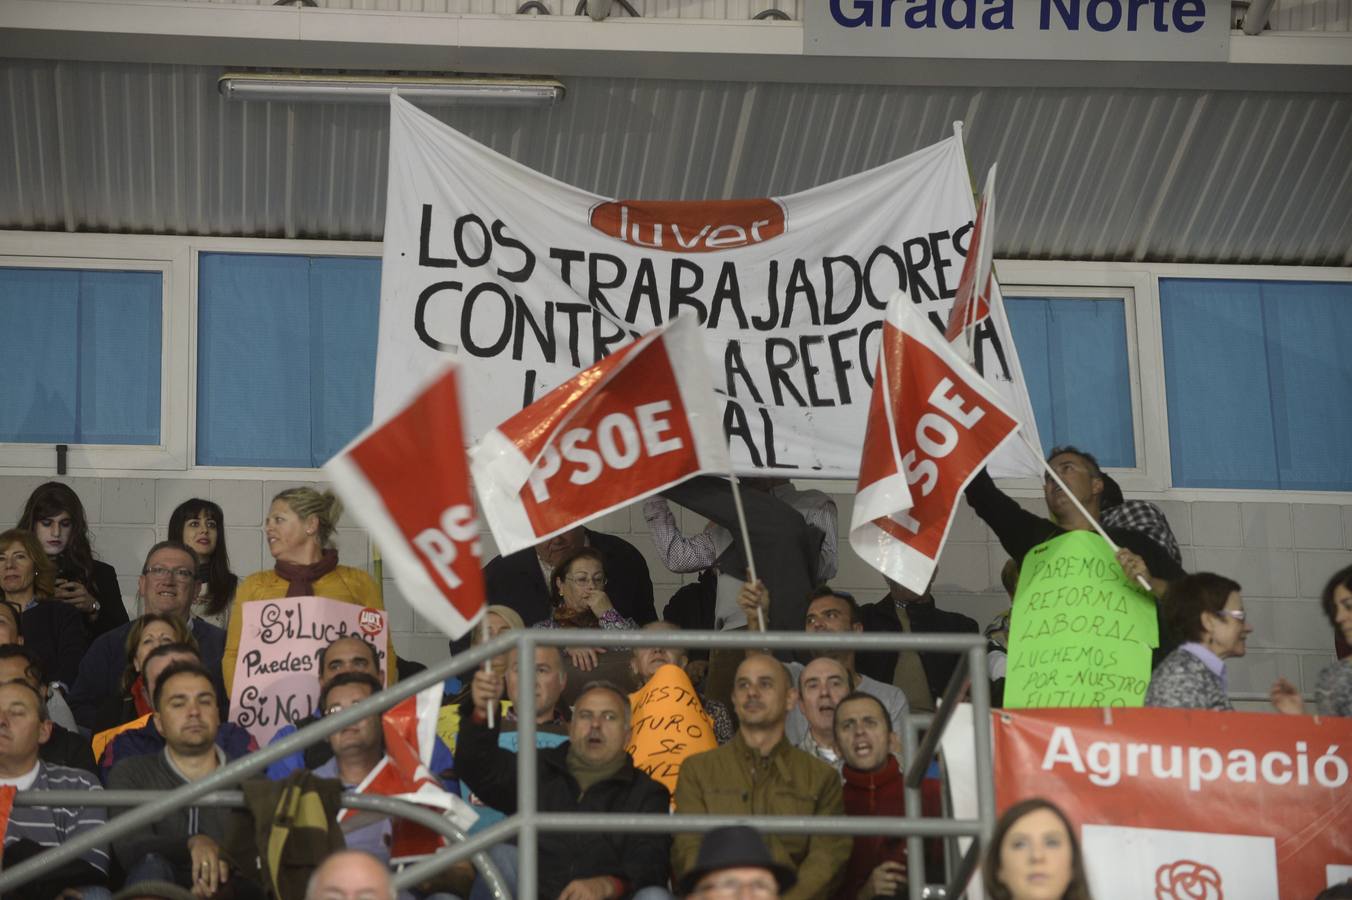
[[746, 538], [1140, 579], [488, 667]]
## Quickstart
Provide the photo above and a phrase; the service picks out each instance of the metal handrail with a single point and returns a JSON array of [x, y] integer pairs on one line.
[[390, 806], [528, 820]]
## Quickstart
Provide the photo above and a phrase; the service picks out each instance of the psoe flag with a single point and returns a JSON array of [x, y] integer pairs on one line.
[[637, 422], [407, 482], [973, 301], [1131, 863], [932, 423]]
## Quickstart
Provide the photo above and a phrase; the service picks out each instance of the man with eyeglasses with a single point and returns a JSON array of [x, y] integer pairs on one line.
[[591, 772], [734, 863], [167, 585], [1019, 531]]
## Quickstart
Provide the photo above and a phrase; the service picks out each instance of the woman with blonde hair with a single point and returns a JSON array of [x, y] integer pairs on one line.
[[299, 529]]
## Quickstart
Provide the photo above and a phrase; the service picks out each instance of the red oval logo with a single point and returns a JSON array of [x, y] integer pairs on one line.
[[690, 226], [370, 621]]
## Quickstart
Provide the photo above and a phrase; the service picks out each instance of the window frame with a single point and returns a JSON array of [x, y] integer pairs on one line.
[[113, 253]]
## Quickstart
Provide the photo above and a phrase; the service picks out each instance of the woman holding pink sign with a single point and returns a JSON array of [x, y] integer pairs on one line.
[[299, 529]]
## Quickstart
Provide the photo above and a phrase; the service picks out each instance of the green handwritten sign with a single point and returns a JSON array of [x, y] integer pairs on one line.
[[1081, 633]]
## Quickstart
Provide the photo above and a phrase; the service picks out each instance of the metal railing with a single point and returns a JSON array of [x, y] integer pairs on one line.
[[528, 821]]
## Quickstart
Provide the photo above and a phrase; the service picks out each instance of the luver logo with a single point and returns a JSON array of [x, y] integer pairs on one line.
[[690, 226]]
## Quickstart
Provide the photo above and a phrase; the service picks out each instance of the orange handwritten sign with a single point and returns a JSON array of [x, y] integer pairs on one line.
[[669, 724]]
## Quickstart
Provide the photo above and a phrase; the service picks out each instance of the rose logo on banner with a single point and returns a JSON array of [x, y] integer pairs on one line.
[[1187, 880], [635, 423]]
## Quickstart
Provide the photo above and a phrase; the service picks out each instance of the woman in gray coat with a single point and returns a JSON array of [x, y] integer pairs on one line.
[[1207, 611]]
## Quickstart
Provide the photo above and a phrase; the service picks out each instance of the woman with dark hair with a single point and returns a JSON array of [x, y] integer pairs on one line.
[[1205, 611], [53, 631], [578, 599], [201, 525], [1333, 687], [1034, 855], [56, 517]]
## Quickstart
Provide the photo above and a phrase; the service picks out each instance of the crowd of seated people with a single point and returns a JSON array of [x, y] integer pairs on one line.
[[90, 697]]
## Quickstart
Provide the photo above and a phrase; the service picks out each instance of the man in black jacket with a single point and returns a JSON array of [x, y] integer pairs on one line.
[[1019, 530], [590, 773], [923, 678]]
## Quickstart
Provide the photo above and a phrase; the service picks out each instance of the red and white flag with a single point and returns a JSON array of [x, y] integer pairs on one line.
[[406, 481], [637, 422], [932, 423], [410, 729], [973, 301]]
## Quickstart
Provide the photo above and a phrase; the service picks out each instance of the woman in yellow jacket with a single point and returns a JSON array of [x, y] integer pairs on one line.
[[299, 530]]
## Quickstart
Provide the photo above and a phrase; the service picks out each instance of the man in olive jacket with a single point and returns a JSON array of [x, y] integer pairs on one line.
[[590, 773], [760, 773]]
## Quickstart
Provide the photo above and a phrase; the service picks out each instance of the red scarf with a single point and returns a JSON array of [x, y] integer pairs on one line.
[[138, 696], [301, 578]]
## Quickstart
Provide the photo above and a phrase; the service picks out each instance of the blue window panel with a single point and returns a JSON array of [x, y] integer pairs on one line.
[[82, 356], [286, 357], [1073, 352], [1259, 383]]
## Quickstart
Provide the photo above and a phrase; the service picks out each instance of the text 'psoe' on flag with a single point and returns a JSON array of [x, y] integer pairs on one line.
[[932, 424], [637, 422]]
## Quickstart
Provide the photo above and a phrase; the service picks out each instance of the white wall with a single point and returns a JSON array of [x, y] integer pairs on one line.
[[1282, 553]]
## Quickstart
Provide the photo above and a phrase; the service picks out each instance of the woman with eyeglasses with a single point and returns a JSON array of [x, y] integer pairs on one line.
[[53, 631], [57, 518], [1207, 612], [578, 599]]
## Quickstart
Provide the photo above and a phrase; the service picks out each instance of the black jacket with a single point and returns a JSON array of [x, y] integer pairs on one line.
[[640, 860], [516, 581], [1019, 531], [55, 633], [926, 618]]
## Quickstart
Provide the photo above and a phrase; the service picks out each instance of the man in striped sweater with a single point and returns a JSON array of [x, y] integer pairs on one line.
[[24, 726]]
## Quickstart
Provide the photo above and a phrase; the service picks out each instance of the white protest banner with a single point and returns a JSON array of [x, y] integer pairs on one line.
[[1178, 804], [406, 480], [640, 420], [932, 423], [277, 676], [527, 280]]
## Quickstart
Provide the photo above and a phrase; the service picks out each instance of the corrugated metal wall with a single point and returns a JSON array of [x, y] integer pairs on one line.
[[1187, 176]]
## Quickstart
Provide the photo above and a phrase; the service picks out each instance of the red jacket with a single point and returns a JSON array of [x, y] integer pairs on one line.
[[872, 794]]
